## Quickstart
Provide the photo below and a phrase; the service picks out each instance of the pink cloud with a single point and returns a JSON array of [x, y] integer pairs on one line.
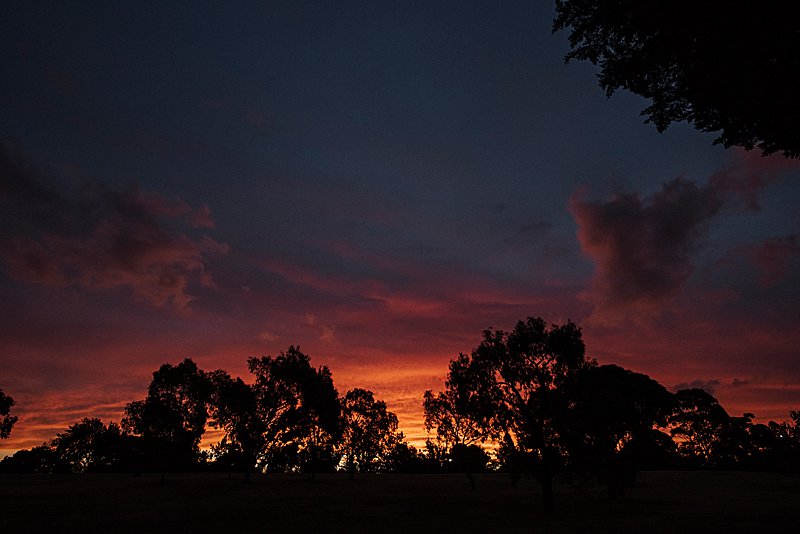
[[774, 258], [643, 247], [748, 175]]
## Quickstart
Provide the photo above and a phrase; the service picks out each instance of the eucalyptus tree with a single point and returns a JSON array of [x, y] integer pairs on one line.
[[457, 415], [90, 446], [8, 420], [288, 418], [722, 66], [172, 417], [611, 412], [369, 432], [235, 409], [516, 380], [699, 424]]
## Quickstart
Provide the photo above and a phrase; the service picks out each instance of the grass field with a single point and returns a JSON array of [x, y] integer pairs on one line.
[[661, 502]]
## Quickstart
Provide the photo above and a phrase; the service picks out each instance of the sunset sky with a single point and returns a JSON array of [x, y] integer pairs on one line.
[[376, 182]]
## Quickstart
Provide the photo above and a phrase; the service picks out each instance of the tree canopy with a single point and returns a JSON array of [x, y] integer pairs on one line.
[[517, 381], [236, 411], [90, 446], [369, 431], [172, 418], [721, 66], [531, 392], [299, 411], [456, 412], [8, 420], [612, 410]]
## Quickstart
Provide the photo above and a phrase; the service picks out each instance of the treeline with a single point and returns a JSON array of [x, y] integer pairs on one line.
[[289, 418], [551, 410], [530, 397]]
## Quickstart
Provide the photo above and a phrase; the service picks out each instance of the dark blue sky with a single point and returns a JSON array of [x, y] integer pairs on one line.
[[376, 181]]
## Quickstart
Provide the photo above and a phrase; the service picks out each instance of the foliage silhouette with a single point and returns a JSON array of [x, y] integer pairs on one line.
[[698, 424], [707, 437], [89, 446], [320, 421], [39, 459], [404, 458], [456, 413], [299, 411], [783, 454], [468, 459], [723, 67], [172, 418], [235, 410], [369, 432], [8, 420], [531, 391], [611, 410], [520, 375]]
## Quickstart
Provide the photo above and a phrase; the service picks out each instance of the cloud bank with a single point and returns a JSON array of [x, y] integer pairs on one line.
[[99, 238], [643, 247]]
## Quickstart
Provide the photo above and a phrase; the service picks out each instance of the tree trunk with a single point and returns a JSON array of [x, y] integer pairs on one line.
[[471, 480], [247, 475]]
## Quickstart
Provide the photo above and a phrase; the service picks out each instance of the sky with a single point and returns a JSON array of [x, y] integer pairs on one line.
[[376, 182]]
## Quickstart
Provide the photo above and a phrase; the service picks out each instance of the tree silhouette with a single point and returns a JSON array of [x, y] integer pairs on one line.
[[468, 459], [406, 459], [723, 67], [89, 446], [319, 421], [8, 420], [369, 431], [456, 414], [521, 375], [611, 410], [38, 459], [235, 409], [172, 418], [698, 425], [298, 410], [788, 437]]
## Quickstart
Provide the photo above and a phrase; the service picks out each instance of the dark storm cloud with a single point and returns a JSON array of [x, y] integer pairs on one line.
[[99, 238], [643, 248]]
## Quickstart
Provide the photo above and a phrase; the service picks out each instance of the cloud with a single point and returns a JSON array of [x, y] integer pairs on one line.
[[774, 258], [328, 334], [643, 247], [99, 238], [748, 175]]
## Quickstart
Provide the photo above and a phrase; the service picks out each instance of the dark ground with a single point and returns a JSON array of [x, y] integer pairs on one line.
[[661, 502]]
